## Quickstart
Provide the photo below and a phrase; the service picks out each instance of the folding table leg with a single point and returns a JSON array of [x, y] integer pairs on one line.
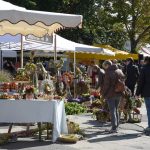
[[47, 126], [10, 127], [40, 131]]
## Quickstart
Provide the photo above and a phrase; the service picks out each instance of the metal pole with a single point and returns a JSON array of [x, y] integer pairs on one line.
[[55, 47], [21, 51], [74, 73], [1, 67]]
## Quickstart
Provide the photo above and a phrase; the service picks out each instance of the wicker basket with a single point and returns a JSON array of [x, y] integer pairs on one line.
[[135, 118], [69, 138]]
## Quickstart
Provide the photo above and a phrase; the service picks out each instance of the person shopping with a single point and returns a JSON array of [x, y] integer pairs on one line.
[[112, 75], [143, 88]]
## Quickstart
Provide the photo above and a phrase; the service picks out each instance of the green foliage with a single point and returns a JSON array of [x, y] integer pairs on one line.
[[74, 108], [5, 76], [135, 16], [29, 4]]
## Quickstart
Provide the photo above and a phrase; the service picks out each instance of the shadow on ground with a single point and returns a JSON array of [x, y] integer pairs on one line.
[[32, 144], [114, 137], [96, 123], [22, 144]]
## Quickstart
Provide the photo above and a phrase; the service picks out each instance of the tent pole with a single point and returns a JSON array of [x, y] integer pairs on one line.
[[1, 62], [21, 51], [55, 53], [74, 73]]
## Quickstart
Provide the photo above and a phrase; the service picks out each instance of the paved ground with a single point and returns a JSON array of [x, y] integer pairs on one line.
[[130, 137], [31, 144]]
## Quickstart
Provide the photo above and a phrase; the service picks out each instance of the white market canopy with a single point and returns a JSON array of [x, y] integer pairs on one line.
[[77, 47], [18, 20], [145, 51], [13, 43]]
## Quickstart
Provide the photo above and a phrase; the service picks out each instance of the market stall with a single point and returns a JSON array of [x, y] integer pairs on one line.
[[62, 45], [17, 20], [118, 54], [82, 56], [145, 51]]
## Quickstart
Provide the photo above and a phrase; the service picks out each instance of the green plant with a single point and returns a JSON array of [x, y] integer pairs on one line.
[[5, 76], [74, 108]]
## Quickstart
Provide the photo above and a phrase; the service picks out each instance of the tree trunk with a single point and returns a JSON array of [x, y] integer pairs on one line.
[[133, 45]]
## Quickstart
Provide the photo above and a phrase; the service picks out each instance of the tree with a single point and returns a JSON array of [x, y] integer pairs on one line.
[[29, 4], [87, 9], [135, 16], [109, 30]]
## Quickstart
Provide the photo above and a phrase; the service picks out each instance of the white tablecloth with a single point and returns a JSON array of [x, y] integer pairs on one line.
[[30, 111]]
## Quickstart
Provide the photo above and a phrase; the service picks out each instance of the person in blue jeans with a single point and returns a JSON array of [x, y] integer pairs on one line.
[[143, 88], [112, 74]]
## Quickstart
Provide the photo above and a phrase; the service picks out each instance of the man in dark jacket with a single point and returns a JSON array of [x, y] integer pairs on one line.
[[143, 88], [132, 74], [112, 74]]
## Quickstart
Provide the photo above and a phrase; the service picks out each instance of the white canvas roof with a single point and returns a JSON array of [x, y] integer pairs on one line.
[[18, 20], [72, 46], [145, 51], [62, 44]]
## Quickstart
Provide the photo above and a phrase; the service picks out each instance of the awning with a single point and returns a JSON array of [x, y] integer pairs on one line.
[[62, 44], [145, 51], [18, 20]]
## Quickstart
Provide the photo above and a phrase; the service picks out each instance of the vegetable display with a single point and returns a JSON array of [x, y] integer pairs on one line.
[[74, 108]]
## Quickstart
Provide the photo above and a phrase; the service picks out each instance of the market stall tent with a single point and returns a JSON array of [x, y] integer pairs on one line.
[[119, 54], [62, 45], [18, 20], [145, 51], [86, 56], [70, 46]]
